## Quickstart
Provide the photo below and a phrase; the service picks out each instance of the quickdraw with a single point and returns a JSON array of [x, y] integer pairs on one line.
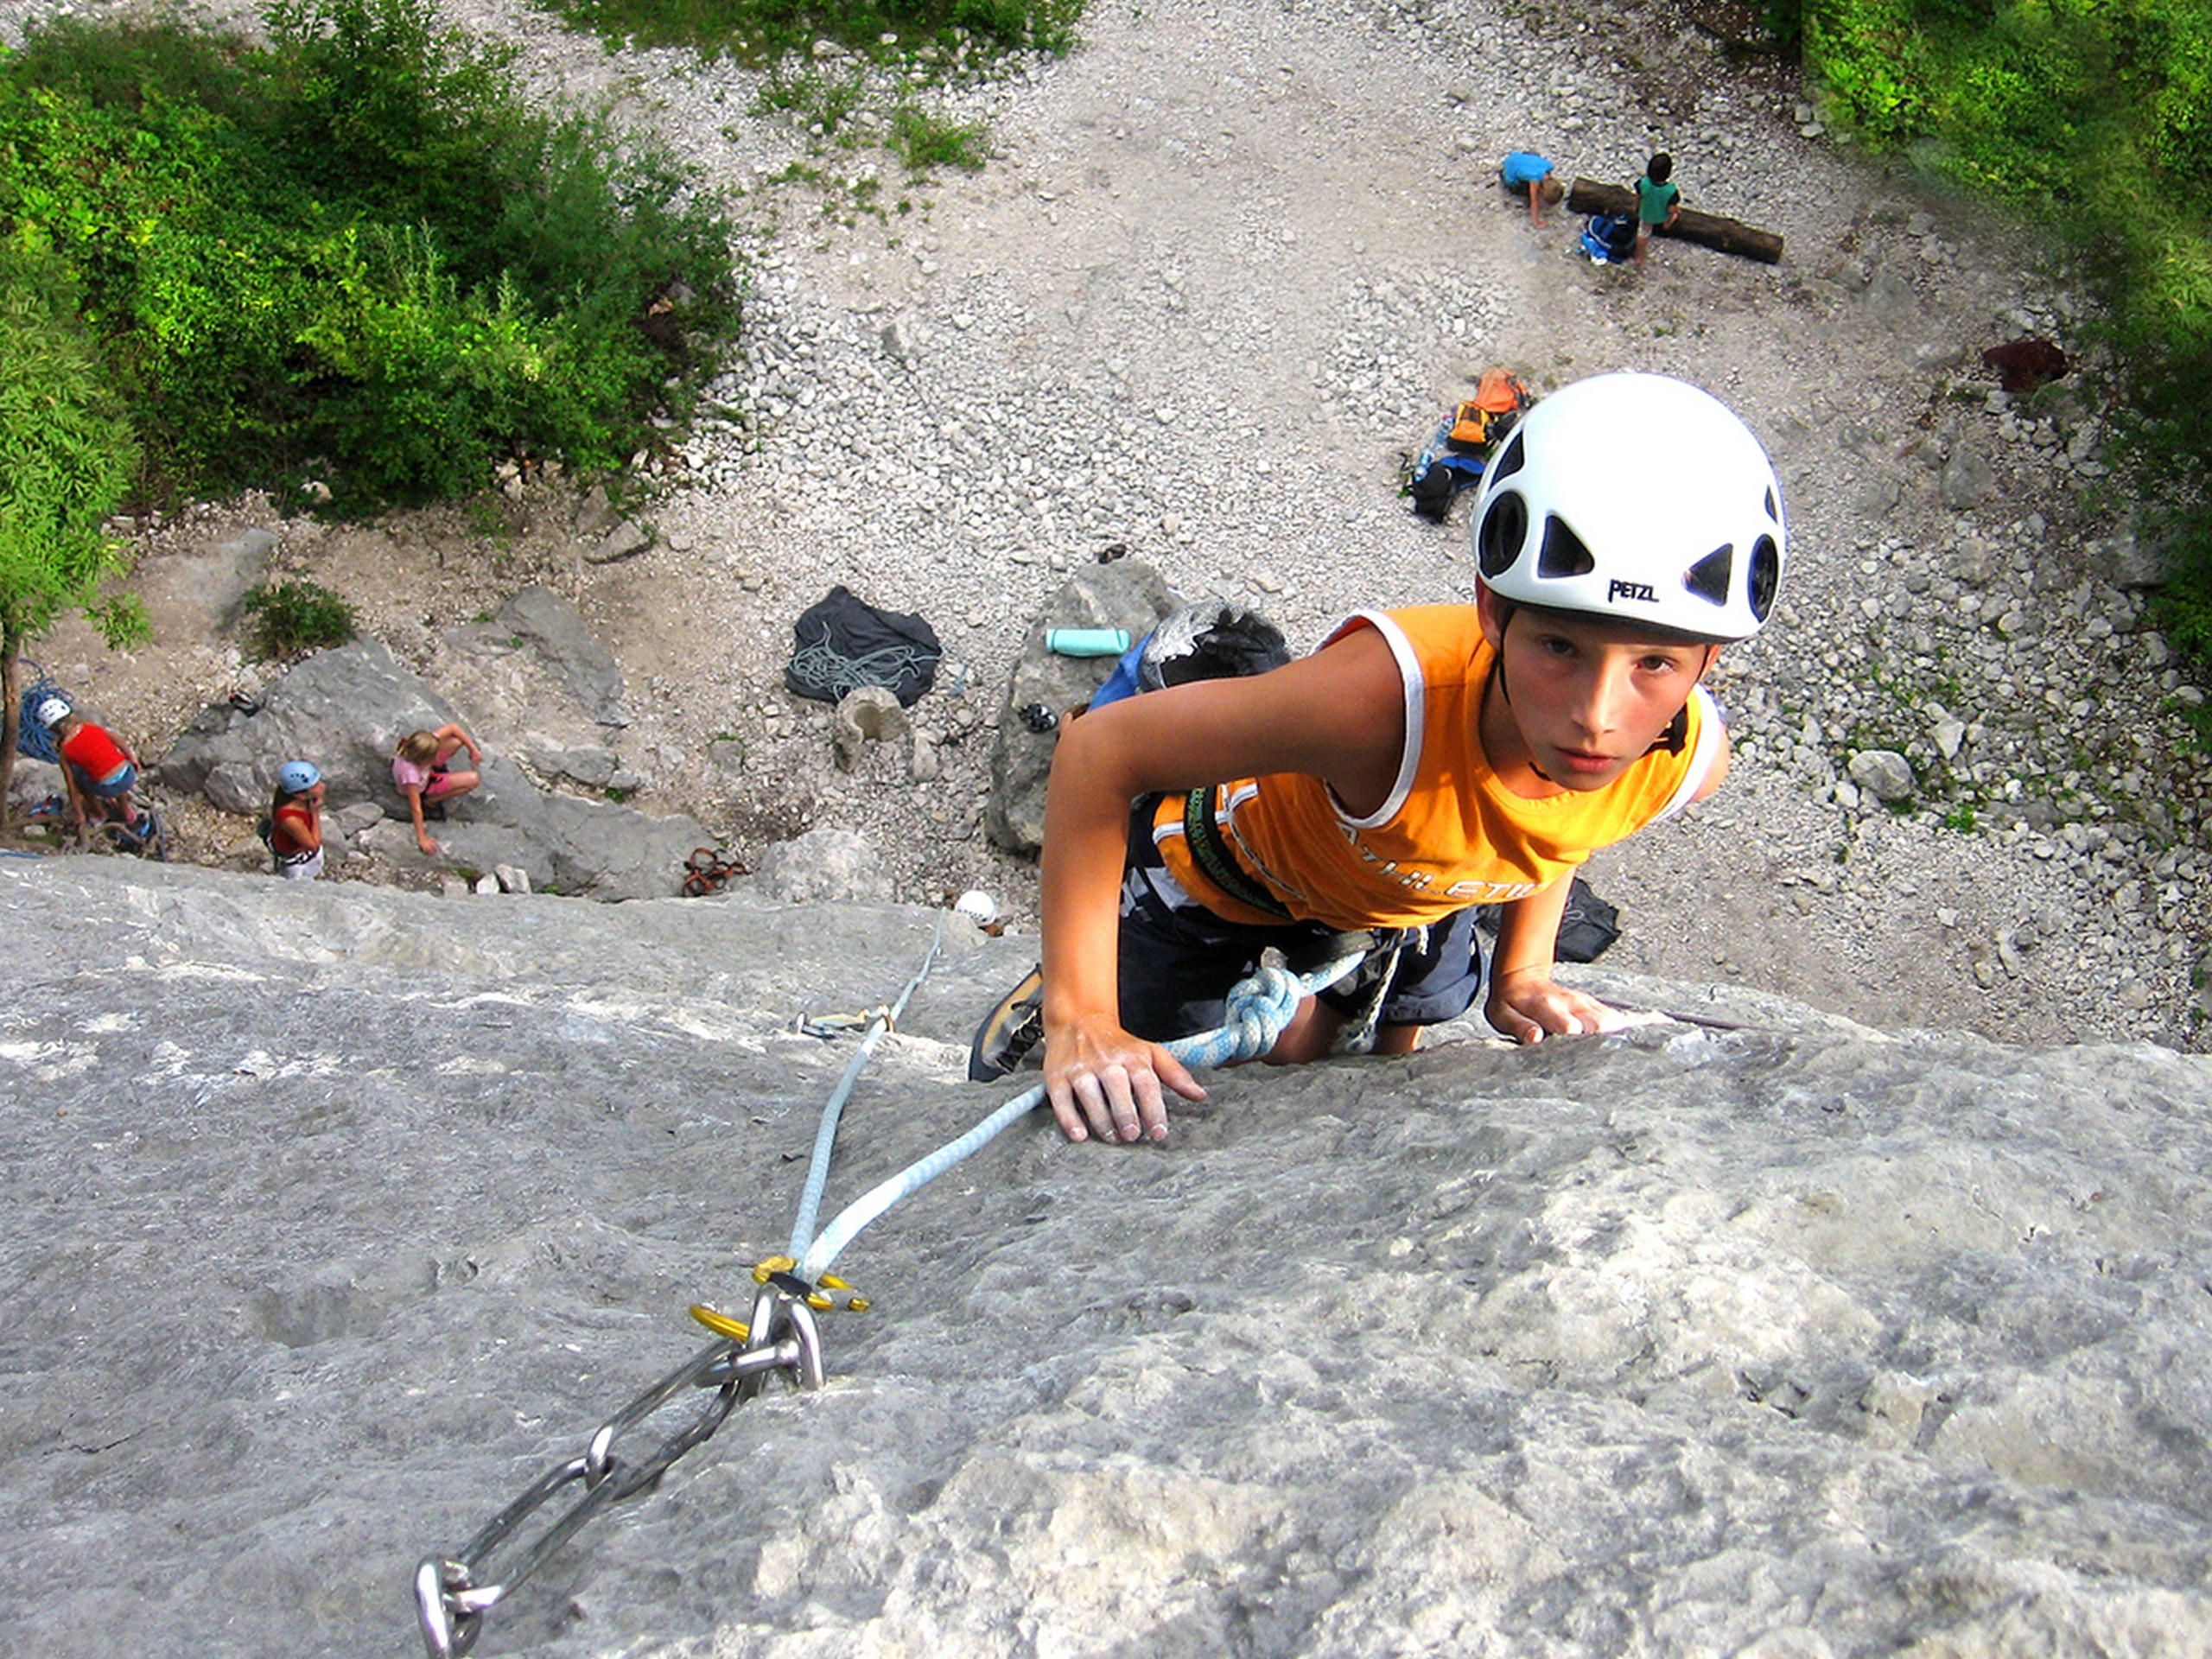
[[454, 1592]]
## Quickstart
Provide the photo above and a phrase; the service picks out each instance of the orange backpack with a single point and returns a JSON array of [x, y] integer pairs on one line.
[[1499, 393]]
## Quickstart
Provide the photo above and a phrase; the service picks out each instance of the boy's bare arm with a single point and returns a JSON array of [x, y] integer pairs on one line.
[[1339, 715], [1525, 1003]]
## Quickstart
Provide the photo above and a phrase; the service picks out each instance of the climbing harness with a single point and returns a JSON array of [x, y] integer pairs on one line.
[[454, 1593]]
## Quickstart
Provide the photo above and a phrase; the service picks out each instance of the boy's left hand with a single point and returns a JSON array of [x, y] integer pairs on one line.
[[1528, 1006]]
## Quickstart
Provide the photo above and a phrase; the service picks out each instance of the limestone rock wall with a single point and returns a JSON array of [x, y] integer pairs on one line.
[[336, 1214]]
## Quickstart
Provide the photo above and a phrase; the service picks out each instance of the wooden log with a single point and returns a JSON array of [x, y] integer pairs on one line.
[[1707, 230]]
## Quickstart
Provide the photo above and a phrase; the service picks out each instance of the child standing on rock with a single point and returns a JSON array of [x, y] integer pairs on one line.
[[97, 770], [1420, 763], [296, 821]]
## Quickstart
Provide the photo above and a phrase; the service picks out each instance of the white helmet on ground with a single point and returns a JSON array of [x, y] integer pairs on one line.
[[1638, 498], [52, 712]]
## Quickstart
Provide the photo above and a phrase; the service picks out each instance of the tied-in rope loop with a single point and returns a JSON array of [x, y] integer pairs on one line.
[[1259, 1011]]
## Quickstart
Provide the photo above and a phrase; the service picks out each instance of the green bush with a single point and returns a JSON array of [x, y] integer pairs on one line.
[[292, 618], [355, 255], [922, 141], [2095, 115]]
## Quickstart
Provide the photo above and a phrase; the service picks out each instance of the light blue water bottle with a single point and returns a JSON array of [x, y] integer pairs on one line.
[[1087, 642]]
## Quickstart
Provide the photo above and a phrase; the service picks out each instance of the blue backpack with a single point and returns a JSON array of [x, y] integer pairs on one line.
[[1610, 239]]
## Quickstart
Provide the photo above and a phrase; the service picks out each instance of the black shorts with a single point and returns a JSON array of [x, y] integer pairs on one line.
[[1179, 961]]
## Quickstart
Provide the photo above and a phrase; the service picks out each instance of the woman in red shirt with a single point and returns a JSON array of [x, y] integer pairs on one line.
[[97, 771]]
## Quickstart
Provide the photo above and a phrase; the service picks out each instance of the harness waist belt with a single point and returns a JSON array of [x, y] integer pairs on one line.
[[1212, 856]]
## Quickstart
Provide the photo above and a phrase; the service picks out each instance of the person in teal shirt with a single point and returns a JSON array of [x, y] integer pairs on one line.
[[1524, 169], [1658, 201]]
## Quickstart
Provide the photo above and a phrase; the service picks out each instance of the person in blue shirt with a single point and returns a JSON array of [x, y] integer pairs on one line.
[[1525, 170]]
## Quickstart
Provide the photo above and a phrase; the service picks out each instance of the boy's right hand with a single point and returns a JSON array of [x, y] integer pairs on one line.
[[429, 847], [1105, 1082]]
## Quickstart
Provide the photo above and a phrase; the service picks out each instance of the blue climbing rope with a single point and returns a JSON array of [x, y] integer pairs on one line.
[[33, 736], [825, 1137], [1260, 1009], [455, 1593]]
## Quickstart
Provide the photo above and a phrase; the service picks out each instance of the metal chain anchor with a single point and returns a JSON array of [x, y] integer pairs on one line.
[[454, 1592]]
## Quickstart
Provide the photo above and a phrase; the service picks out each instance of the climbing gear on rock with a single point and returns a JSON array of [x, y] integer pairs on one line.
[[709, 871], [454, 1592]]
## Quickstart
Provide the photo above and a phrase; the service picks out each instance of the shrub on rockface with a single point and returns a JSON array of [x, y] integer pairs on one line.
[[356, 254]]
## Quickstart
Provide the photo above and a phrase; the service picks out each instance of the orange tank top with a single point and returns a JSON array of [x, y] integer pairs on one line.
[[1451, 834]]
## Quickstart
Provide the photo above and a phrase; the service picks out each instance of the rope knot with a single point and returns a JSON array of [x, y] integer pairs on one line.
[[1258, 1011]]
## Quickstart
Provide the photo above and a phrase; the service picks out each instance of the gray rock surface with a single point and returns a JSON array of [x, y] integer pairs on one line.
[[345, 709], [553, 636], [338, 1214]]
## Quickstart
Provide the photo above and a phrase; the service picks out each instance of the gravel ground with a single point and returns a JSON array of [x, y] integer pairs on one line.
[[1227, 266]]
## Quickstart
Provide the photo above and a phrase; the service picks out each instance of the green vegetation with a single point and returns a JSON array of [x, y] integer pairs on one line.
[[922, 141], [847, 70], [355, 258], [948, 34], [2096, 116], [66, 457], [292, 618]]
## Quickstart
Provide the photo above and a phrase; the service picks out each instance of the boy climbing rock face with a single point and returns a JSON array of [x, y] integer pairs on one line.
[[1422, 763]]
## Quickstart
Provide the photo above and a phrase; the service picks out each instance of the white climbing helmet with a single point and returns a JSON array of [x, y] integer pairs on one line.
[[52, 712], [1638, 498]]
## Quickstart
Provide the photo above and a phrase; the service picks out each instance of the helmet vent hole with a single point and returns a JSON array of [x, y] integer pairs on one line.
[[1504, 528], [1563, 554], [1510, 460], [1708, 577], [1773, 512], [1766, 575]]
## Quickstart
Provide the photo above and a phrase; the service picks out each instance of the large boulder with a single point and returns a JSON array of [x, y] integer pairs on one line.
[[1128, 594], [538, 652], [345, 709], [593, 849]]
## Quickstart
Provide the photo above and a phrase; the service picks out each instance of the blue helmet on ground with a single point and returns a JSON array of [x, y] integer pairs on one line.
[[298, 776]]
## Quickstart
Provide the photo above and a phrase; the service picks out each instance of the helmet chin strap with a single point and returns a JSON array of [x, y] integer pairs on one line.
[[1506, 695], [1669, 741]]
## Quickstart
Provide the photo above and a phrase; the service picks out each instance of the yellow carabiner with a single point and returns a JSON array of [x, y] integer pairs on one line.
[[720, 1323]]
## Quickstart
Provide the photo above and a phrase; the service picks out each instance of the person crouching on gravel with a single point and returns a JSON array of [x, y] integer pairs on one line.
[[420, 772], [97, 770], [1422, 763], [1523, 170], [296, 821]]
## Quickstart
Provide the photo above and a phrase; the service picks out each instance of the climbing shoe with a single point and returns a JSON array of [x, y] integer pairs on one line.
[[1010, 1032]]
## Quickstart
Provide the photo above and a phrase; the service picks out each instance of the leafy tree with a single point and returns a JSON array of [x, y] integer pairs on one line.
[[66, 456]]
